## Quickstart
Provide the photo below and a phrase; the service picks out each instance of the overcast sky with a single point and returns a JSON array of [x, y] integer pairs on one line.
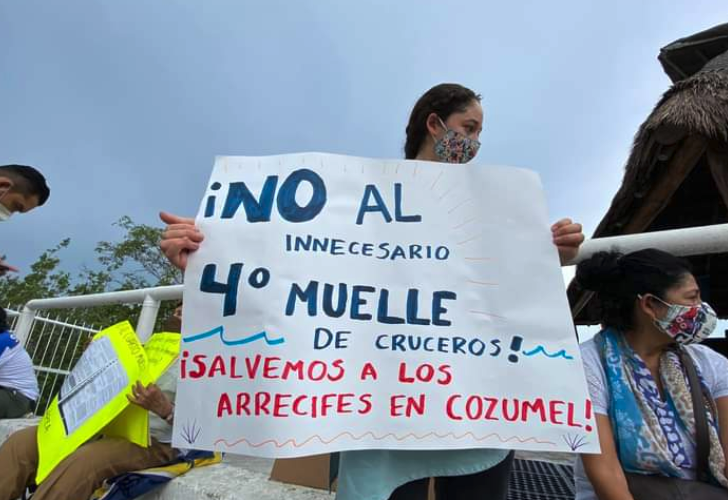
[[123, 105]]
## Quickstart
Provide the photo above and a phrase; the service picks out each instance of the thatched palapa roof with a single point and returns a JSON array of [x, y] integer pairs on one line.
[[677, 173]]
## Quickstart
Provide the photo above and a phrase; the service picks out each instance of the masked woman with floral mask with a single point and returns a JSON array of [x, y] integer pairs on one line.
[[444, 126], [638, 370]]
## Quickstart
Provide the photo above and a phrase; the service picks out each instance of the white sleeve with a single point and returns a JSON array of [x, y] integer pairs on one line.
[[714, 368], [595, 377], [7, 344]]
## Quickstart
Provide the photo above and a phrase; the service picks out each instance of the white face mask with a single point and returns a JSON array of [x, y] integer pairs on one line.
[[5, 213], [687, 324]]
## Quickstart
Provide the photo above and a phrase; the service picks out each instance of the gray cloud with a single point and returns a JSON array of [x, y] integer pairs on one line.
[[124, 104]]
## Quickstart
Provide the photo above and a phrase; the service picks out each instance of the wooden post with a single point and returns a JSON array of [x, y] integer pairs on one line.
[[679, 167]]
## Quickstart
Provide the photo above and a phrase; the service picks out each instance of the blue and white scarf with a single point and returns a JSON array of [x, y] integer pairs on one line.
[[646, 428]]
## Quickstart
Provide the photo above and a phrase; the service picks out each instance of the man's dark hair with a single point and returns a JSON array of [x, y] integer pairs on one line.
[[27, 180]]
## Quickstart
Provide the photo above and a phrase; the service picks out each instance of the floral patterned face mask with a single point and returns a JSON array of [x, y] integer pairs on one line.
[[687, 324], [454, 147]]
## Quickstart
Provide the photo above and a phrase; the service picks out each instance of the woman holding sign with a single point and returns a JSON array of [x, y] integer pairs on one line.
[[444, 127], [660, 399]]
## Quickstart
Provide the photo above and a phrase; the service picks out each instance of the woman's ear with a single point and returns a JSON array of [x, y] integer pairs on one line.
[[650, 307], [434, 125]]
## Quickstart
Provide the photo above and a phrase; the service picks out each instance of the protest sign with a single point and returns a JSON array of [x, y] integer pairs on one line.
[[132, 423], [94, 395], [161, 350], [343, 303]]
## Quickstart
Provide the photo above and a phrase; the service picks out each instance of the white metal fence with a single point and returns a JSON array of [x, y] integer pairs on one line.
[[54, 342], [46, 337], [54, 345]]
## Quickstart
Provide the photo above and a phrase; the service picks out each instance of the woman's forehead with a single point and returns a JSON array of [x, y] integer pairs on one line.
[[474, 112], [686, 285]]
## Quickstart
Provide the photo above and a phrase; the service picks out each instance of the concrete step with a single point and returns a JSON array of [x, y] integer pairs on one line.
[[236, 478], [228, 481], [246, 478]]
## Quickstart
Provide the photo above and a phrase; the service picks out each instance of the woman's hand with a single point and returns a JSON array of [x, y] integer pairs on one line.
[[179, 239], [151, 398], [567, 237]]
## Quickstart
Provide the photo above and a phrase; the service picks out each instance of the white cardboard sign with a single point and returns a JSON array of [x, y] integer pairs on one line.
[[343, 303]]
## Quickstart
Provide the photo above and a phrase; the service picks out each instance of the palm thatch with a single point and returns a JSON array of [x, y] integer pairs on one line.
[[697, 106], [677, 173]]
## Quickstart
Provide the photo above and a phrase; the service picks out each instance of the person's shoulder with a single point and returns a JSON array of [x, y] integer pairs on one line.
[[588, 344], [702, 354], [590, 355], [714, 368], [589, 348], [595, 375]]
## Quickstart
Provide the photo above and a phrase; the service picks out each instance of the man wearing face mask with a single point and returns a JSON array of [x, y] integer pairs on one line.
[[638, 370], [22, 189]]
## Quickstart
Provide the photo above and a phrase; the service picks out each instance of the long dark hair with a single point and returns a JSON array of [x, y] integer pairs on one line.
[[443, 100], [618, 279]]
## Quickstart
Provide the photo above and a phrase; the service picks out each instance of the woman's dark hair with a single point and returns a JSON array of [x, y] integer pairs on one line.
[[618, 279], [3, 320], [443, 100]]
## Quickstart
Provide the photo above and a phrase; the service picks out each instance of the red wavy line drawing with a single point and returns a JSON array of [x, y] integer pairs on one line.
[[295, 444]]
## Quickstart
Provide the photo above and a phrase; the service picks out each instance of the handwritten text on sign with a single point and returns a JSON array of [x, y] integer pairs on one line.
[[349, 303]]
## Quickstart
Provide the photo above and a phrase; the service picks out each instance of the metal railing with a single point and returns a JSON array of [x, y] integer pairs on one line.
[[700, 240], [683, 242], [149, 298], [54, 345]]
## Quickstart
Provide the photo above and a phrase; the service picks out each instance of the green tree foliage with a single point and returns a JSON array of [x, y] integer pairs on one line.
[[135, 261]]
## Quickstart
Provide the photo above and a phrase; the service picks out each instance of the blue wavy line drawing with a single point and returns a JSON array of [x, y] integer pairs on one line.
[[540, 349], [245, 340]]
